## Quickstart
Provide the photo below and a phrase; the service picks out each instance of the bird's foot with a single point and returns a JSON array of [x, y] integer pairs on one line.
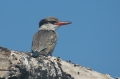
[[50, 54]]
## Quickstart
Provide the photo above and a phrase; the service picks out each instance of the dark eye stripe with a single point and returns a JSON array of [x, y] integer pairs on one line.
[[52, 22]]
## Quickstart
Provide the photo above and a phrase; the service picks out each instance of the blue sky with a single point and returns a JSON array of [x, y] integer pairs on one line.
[[92, 40]]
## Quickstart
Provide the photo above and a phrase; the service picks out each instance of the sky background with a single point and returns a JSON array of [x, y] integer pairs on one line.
[[92, 40]]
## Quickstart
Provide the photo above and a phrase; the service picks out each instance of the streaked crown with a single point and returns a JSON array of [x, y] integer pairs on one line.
[[47, 20]]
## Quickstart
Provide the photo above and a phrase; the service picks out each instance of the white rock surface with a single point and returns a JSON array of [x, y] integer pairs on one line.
[[20, 65]]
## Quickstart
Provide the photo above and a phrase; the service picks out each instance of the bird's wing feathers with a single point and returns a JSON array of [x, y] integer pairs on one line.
[[44, 39]]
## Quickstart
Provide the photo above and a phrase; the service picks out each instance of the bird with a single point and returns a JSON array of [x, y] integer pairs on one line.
[[44, 41]]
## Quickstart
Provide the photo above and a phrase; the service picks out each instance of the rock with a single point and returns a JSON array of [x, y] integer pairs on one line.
[[20, 65]]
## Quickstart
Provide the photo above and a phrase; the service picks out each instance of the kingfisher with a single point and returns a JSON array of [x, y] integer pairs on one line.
[[45, 39]]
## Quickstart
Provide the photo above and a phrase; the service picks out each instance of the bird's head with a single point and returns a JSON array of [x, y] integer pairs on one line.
[[51, 23]]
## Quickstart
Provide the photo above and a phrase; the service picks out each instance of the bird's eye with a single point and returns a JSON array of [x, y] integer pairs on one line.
[[52, 22]]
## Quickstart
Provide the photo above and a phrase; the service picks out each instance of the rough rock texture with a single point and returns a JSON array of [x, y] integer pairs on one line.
[[20, 65]]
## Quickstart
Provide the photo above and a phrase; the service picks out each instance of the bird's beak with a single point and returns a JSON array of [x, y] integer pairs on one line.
[[62, 23]]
